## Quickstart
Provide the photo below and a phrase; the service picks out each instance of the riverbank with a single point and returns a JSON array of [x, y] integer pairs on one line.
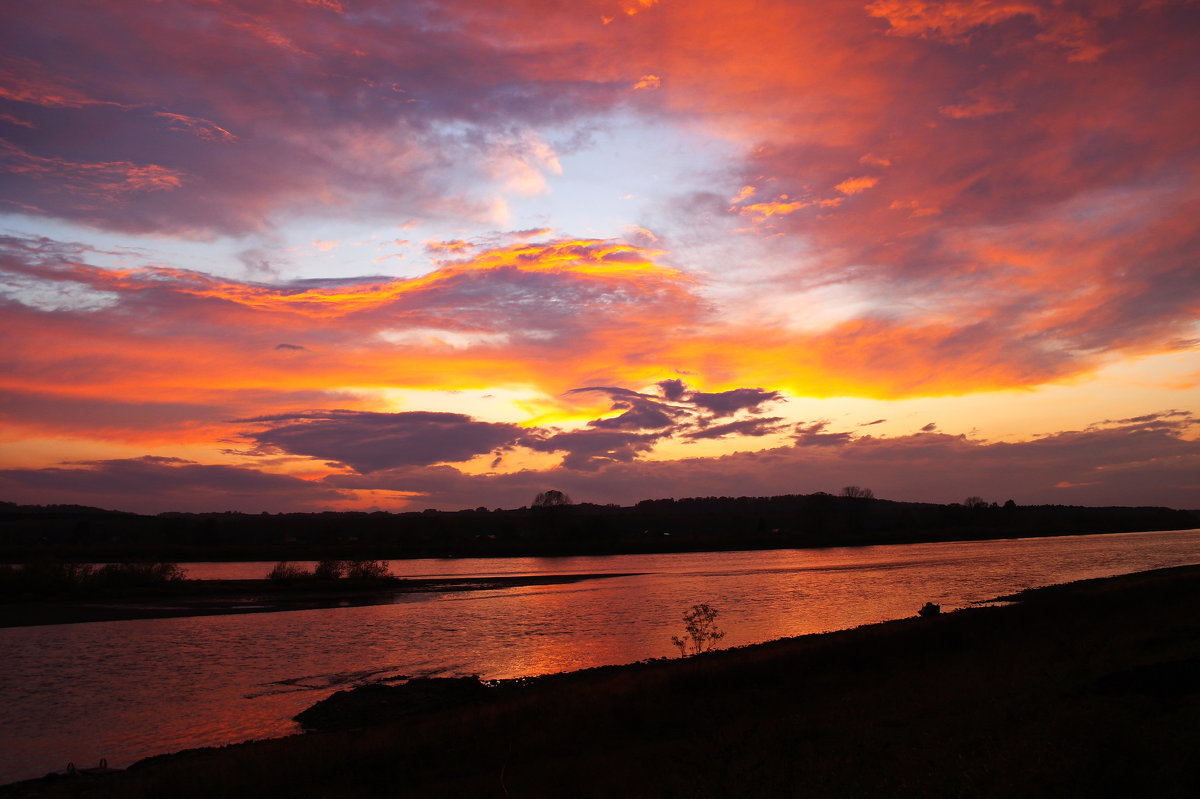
[[1088, 689], [229, 597]]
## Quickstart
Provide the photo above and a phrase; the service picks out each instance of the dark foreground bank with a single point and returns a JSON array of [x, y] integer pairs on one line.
[[1088, 689]]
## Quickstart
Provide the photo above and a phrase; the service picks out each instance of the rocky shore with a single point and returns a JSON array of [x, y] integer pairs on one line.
[[1087, 689]]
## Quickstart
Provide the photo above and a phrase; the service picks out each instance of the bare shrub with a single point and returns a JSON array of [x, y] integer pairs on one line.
[[700, 632]]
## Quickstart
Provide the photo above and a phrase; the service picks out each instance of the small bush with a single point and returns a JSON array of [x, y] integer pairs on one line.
[[137, 575], [330, 570], [284, 571], [367, 569]]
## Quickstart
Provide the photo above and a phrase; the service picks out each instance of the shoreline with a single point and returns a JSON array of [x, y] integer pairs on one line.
[[240, 597], [1085, 688]]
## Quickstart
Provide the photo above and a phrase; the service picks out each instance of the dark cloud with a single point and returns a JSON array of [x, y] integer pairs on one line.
[[368, 442], [686, 415], [673, 389], [877, 421], [591, 449], [726, 403], [641, 412], [929, 428], [1121, 464], [289, 347], [637, 416], [759, 426], [611, 391], [1149, 462], [1168, 418], [153, 484], [814, 435]]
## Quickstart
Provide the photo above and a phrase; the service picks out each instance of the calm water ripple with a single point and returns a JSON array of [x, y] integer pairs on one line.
[[125, 690]]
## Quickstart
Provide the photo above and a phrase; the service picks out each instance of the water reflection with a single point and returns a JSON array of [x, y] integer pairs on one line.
[[124, 690]]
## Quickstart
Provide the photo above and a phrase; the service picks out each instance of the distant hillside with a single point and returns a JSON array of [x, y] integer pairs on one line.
[[657, 525]]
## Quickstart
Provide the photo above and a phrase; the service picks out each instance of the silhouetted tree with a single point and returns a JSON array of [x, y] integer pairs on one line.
[[551, 499], [975, 502], [858, 492]]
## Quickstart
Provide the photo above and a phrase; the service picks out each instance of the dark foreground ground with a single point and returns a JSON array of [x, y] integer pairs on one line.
[[1090, 689]]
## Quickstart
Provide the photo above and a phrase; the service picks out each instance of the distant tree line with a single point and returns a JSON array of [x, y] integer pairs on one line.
[[552, 525]]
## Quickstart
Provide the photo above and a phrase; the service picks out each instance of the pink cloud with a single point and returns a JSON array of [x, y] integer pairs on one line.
[[105, 180], [202, 128], [26, 81], [345, 113]]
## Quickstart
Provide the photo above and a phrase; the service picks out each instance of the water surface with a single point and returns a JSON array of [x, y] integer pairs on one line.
[[128, 689]]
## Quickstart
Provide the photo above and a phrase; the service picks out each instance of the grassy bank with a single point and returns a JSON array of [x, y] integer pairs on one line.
[[1090, 689]]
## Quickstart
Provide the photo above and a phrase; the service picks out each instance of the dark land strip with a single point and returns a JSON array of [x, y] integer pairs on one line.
[[227, 597], [697, 524], [1089, 689]]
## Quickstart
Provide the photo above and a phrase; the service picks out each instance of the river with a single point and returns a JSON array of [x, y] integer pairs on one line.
[[128, 689]]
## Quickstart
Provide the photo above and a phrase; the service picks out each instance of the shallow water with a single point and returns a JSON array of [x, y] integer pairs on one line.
[[125, 690]]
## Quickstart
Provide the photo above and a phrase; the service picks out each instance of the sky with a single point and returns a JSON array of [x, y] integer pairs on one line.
[[299, 255]]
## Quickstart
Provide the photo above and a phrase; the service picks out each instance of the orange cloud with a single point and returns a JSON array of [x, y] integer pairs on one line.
[[956, 20], [781, 207], [946, 18], [448, 247], [856, 185]]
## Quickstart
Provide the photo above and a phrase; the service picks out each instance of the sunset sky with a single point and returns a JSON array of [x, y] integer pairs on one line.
[[272, 255]]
